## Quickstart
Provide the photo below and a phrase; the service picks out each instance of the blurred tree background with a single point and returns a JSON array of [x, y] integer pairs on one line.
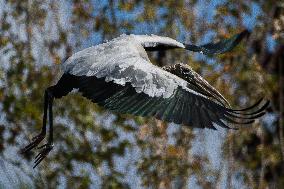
[[97, 149]]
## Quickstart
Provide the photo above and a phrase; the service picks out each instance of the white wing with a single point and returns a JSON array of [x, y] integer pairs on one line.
[[124, 60], [153, 41]]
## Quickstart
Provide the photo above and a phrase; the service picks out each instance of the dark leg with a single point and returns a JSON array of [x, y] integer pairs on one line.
[[37, 139], [46, 148], [65, 85]]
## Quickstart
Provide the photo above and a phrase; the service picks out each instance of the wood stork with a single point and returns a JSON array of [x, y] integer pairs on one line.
[[119, 76]]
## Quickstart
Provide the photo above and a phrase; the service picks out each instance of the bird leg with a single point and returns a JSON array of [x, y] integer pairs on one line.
[[37, 139], [46, 148]]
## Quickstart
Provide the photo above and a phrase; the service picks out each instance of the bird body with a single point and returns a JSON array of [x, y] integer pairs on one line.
[[119, 76], [124, 60]]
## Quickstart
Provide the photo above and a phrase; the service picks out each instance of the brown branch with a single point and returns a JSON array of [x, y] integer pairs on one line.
[[281, 105]]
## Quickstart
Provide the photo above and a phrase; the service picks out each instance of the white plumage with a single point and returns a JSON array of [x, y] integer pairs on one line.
[[123, 60]]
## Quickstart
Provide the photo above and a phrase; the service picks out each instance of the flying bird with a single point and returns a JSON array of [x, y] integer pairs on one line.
[[119, 76]]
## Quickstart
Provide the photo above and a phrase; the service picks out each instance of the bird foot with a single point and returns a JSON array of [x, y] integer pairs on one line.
[[35, 142], [45, 149]]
